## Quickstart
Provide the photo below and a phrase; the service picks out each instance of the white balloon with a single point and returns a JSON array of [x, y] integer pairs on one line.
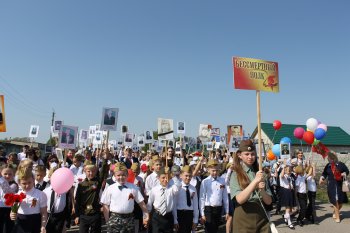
[[312, 124]]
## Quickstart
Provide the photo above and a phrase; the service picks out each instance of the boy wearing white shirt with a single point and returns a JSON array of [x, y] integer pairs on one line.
[[161, 200], [118, 203], [213, 194], [186, 204], [152, 180]]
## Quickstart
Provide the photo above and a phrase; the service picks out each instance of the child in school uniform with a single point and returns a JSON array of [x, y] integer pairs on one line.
[[311, 193], [7, 175], [161, 201], [287, 193], [300, 184], [58, 207], [119, 202], [87, 204], [186, 204], [152, 180], [213, 198], [40, 173], [32, 214]]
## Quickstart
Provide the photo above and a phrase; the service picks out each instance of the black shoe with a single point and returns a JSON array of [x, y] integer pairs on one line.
[[300, 223], [291, 227]]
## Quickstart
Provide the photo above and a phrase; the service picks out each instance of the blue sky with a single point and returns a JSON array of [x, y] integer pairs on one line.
[[170, 59]]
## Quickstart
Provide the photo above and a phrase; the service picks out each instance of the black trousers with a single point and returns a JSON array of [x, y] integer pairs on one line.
[[311, 208], [55, 222], [6, 224], [30, 223], [92, 222], [213, 217], [162, 224], [302, 198], [185, 220]]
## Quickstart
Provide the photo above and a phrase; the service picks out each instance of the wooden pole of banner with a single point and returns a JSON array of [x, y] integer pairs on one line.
[[259, 128]]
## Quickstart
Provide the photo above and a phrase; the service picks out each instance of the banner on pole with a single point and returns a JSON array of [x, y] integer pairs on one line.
[[255, 74]]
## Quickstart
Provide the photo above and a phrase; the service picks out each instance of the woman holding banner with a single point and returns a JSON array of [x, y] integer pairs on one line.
[[248, 191]]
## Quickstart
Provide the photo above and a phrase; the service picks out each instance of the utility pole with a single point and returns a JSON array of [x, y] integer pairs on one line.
[[52, 121]]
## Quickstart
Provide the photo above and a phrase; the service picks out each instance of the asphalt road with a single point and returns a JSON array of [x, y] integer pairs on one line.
[[324, 222]]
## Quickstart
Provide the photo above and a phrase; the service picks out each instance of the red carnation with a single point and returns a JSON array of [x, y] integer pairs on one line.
[[22, 195]]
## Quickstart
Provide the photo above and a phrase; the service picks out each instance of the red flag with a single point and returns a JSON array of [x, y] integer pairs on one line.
[[320, 149]]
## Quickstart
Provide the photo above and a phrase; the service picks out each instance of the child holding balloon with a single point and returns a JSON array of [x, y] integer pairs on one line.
[[58, 207], [32, 214]]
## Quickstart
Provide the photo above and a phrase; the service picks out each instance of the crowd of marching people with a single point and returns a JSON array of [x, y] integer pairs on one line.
[[146, 191]]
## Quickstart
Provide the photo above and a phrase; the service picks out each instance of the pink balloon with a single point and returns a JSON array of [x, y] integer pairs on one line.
[[322, 126], [299, 132], [62, 180]]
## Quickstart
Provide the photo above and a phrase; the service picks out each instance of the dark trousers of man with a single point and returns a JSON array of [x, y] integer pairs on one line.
[[162, 224], [185, 220], [302, 198], [90, 221], [311, 208], [213, 217], [6, 224], [55, 222]]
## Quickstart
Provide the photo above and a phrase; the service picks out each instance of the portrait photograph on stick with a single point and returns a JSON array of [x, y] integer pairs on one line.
[[68, 137], [34, 131], [109, 119], [165, 128]]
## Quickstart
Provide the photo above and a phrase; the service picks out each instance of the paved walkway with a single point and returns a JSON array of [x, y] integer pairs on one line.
[[324, 223]]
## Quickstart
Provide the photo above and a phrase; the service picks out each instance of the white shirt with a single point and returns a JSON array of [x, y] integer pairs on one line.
[[194, 180], [34, 201], [173, 180], [122, 201], [213, 193], [284, 183], [181, 202], [7, 189], [59, 201], [151, 181], [21, 156], [76, 170], [155, 199], [301, 184], [311, 184], [227, 177]]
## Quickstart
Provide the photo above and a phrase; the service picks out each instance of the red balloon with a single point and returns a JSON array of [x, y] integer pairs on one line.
[[131, 176], [308, 137], [277, 124]]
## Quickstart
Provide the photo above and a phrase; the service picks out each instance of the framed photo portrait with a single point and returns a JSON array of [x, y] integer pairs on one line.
[[98, 137], [83, 135], [204, 132], [234, 130], [181, 127], [34, 131], [109, 119], [209, 146], [57, 125], [165, 128], [128, 139], [148, 136], [92, 131], [215, 132], [285, 150], [68, 137], [124, 129], [141, 141]]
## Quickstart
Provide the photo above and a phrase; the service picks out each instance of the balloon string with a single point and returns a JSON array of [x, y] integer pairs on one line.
[[274, 136]]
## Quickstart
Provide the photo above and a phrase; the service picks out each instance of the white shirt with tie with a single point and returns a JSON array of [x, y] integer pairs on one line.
[[181, 202], [154, 200], [213, 193], [121, 199], [151, 181], [59, 202]]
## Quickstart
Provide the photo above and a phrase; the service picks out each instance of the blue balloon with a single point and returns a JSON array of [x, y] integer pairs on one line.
[[276, 149], [319, 133], [286, 140]]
